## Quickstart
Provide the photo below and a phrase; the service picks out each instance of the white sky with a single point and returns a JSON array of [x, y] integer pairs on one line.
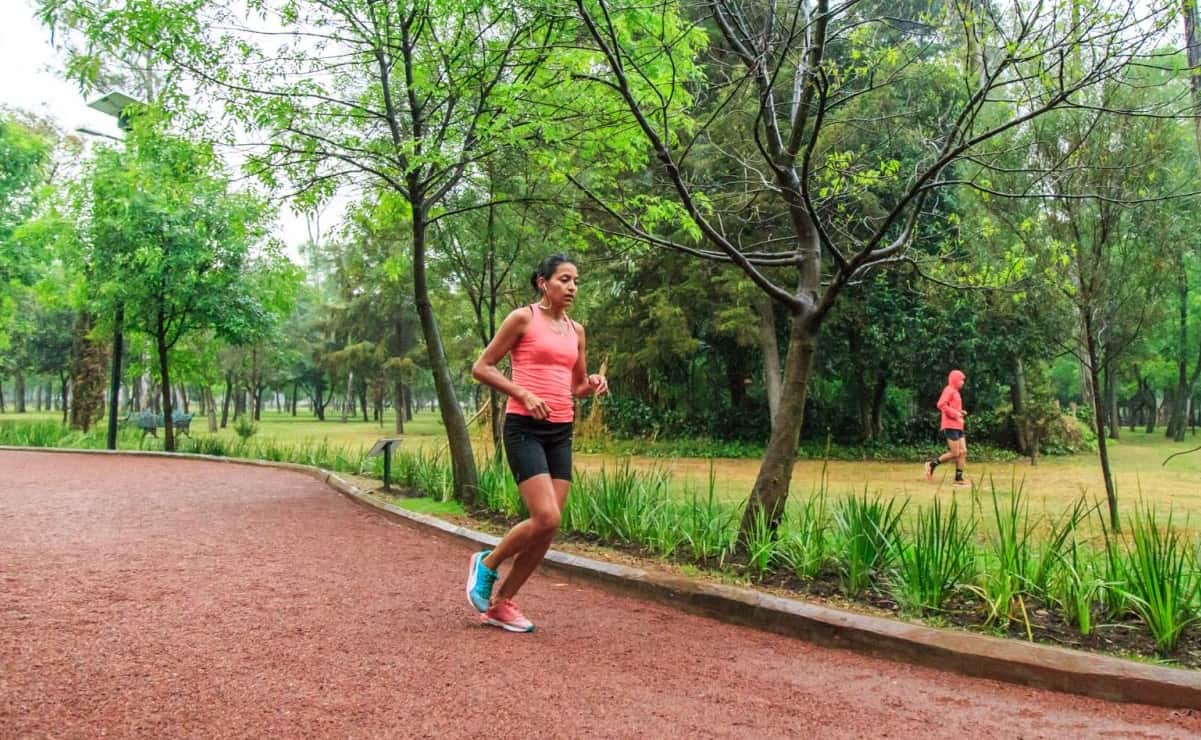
[[29, 81]]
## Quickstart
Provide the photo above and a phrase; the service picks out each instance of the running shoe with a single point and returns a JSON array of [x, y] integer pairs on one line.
[[929, 470], [507, 616], [480, 579], [962, 484]]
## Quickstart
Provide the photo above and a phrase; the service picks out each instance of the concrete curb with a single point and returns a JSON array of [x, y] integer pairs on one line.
[[1028, 664]]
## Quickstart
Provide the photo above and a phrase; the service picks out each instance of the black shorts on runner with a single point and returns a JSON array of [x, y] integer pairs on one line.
[[952, 435], [537, 447]]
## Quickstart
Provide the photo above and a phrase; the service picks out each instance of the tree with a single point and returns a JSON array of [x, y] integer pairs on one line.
[[805, 65], [168, 240], [409, 95], [24, 159]]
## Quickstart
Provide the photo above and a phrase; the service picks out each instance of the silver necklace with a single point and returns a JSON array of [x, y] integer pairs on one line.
[[558, 326]]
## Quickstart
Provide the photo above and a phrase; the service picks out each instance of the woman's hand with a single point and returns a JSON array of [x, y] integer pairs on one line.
[[598, 384], [536, 406]]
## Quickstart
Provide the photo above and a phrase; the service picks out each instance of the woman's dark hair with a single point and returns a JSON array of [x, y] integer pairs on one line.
[[546, 268]]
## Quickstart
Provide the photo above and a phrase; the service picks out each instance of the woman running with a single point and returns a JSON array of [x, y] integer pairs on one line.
[[549, 367]]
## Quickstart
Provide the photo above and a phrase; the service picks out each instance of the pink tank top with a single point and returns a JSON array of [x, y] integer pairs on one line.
[[542, 364]]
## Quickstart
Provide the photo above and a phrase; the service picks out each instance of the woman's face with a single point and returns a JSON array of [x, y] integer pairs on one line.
[[561, 287]]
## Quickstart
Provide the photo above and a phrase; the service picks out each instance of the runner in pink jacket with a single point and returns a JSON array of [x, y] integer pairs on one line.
[[950, 404]]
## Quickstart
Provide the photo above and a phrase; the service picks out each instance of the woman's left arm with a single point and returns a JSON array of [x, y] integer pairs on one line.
[[583, 384]]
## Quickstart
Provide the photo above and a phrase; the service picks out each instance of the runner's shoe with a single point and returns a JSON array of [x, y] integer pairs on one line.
[[929, 470], [480, 579], [507, 616], [963, 483]]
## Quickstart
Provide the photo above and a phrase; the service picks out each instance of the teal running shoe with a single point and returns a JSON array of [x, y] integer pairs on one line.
[[480, 579]]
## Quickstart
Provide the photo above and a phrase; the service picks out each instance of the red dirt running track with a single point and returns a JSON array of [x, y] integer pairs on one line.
[[161, 598]]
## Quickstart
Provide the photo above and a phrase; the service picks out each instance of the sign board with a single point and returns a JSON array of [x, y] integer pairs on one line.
[[384, 445]]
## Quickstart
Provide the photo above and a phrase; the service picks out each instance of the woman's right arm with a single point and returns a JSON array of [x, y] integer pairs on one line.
[[485, 371]]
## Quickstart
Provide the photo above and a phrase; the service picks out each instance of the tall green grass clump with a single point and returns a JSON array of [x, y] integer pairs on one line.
[[1077, 588], [707, 526], [498, 491], [621, 505], [1161, 579], [938, 558], [425, 471], [866, 532], [805, 537], [1006, 564]]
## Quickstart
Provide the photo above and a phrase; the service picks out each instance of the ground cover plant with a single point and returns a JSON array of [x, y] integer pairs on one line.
[[983, 559]]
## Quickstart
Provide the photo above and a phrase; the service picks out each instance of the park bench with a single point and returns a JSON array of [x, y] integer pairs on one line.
[[149, 422]]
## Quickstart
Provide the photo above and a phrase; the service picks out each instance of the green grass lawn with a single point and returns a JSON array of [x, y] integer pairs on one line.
[[1052, 485], [425, 430]]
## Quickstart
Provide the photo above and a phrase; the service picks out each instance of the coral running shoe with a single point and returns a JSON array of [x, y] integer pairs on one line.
[[929, 470], [507, 616], [480, 579]]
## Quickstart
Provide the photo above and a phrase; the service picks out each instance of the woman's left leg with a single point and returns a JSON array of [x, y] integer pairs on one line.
[[527, 560]]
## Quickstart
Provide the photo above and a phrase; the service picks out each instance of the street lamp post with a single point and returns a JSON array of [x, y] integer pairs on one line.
[[118, 105]]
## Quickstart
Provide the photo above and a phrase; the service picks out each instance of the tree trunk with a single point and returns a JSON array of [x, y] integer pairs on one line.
[[19, 391], [229, 392], [466, 481], [1111, 404], [295, 390], [210, 405], [348, 397], [399, 404], [183, 398], [770, 348], [1102, 443], [877, 422], [1017, 397], [165, 376], [1176, 422], [498, 403], [3, 410], [770, 492]]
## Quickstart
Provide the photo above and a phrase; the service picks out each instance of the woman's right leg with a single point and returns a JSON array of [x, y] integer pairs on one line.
[[541, 502]]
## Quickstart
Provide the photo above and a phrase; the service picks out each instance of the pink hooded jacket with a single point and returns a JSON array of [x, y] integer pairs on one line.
[[950, 403]]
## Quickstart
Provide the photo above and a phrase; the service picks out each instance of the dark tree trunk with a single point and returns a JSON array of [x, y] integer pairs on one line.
[[398, 402], [1102, 443], [466, 481], [3, 410], [183, 397], [770, 348], [1111, 405], [877, 421], [295, 390], [210, 404], [770, 491], [1179, 406], [1017, 396], [19, 391], [229, 392], [498, 402], [165, 377]]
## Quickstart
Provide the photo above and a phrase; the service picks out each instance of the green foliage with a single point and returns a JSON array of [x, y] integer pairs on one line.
[[245, 428], [866, 533], [1162, 579], [939, 556]]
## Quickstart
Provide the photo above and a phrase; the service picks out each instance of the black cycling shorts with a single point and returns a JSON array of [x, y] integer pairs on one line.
[[537, 447], [952, 435]]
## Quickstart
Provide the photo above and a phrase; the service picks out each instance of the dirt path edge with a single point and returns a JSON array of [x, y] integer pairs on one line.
[[1027, 664]]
